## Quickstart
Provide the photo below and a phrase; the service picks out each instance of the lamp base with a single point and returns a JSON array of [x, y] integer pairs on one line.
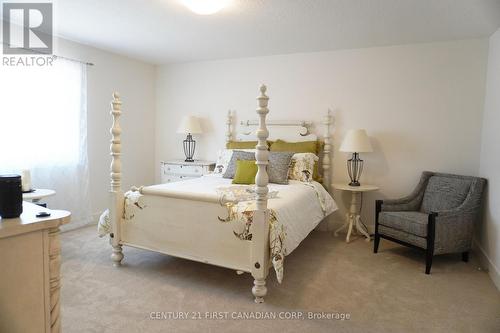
[[189, 148], [354, 168]]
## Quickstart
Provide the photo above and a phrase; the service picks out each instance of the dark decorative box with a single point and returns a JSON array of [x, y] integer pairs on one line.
[[11, 196]]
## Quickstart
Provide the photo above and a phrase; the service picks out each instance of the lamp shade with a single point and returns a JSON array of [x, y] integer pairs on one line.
[[356, 141], [190, 125]]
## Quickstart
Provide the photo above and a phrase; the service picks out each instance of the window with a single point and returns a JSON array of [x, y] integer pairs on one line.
[[41, 115], [43, 128]]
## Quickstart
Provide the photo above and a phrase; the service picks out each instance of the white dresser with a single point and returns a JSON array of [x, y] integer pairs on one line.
[[30, 282], [177, 170]]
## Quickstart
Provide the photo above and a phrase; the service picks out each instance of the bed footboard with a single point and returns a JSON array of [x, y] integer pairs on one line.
[[186, 228]]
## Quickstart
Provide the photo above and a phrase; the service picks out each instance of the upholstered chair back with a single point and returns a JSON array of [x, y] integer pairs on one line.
[[445, 192]]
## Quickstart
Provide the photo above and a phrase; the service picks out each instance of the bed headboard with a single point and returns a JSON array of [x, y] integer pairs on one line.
[[291, 131]]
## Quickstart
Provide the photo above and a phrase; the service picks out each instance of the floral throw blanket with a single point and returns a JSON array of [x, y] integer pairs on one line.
[[240, 203]]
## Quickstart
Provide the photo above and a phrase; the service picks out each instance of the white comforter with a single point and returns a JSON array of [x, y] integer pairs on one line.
[[298, 206]]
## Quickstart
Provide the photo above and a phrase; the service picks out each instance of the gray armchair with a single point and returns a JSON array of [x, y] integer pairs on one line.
[[437, 217]]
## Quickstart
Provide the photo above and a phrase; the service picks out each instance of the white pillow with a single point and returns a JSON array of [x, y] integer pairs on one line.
[[223, 158], [302, 167]]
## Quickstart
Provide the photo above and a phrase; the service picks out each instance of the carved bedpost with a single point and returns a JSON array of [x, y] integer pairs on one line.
[[327, 150], [116, 194], [260, 226], [229, 122]]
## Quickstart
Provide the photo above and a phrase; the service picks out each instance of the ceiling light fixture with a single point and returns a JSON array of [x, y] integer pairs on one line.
[[205, 7]]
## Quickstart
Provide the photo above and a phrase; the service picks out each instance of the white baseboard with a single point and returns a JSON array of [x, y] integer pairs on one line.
[[487, 264]]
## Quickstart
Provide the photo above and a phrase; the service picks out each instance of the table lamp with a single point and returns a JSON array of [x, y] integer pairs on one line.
[[190, 125], [356, 141]]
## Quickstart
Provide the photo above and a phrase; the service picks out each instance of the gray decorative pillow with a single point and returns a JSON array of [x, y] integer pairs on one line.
[[279, 165], [237, 155]]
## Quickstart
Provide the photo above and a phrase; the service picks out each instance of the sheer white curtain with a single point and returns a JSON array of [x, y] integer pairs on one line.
[[43, 128]]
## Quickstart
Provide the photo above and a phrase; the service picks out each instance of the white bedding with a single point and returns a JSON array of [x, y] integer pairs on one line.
[[298, 206]]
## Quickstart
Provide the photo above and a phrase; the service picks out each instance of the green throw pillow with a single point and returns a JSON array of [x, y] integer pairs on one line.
[[241, 144], [245, 172], [296, 147], [244, 144]]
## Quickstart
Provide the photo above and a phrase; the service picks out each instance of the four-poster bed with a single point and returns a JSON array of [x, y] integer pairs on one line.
[[187, 221]]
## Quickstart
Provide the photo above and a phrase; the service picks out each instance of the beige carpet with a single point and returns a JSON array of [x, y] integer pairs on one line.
[[387, 292]]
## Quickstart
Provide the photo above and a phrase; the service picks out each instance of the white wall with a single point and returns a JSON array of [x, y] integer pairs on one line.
[[135, 81], [488, 238], [421, 104]]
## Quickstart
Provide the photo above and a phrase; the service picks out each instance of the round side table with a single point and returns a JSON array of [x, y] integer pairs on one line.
[[38, 194], [353, 217]]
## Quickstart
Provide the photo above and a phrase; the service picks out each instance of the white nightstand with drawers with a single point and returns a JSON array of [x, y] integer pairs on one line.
[[177, 170]]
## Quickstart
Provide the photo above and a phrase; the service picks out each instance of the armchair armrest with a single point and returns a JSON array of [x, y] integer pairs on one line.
[[453, 232], [455, 227], [411, 202]]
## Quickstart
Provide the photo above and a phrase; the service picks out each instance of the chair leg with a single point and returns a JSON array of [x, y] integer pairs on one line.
[[378, 209], [428, 261], [429, 253], [465, 256], [376, 242]]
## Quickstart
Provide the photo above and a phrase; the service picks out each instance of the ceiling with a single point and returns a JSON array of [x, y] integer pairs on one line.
[[164, 31]]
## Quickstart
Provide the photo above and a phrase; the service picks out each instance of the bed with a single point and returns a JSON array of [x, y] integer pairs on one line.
[[245, 228]]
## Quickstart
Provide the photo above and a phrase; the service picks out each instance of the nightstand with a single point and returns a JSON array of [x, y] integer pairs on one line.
[[353, 218], [177, 170], [38, 195]]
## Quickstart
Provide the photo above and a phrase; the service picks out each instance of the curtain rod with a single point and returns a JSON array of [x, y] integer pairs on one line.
[[55, 55], [75, 60]]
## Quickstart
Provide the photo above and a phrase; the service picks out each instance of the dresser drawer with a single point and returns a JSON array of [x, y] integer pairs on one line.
[[168, 178], [174, 171], [180, 169]]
